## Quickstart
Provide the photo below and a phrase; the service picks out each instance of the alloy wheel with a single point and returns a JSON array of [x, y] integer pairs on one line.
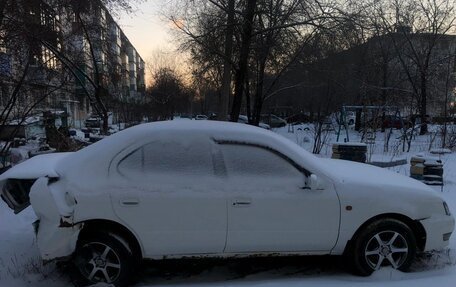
[[386, 247], [99, 263]]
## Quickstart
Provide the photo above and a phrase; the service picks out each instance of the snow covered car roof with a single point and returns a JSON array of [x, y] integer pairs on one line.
[[101, 153]]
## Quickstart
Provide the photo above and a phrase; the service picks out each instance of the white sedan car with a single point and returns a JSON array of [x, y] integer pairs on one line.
[[213, 189]]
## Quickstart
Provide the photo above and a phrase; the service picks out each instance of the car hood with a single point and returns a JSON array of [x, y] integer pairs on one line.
[[353, 173], [35, 167]]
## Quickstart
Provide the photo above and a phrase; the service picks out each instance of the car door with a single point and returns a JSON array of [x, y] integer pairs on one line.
[[167, 191], [268, 209]]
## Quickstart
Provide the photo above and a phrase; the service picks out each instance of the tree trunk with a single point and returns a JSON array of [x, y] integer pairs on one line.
[[384, 94], [100, 91], [259, 93], [423, 104], [247, 99], [226, 78], [2, 10], [241, 73]]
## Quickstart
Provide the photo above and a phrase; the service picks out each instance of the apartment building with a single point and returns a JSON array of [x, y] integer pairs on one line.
[[394, 69], [68, 53]]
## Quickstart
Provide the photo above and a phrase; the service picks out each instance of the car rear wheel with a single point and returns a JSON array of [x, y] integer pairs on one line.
[[102, 257], [382, 243]]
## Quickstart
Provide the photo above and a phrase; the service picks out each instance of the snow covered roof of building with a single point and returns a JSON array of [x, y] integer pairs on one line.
[[26, 121]]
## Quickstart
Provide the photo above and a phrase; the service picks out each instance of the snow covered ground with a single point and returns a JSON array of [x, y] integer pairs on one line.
[[20, 264]]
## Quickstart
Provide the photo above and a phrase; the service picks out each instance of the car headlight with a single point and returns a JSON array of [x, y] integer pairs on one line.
[[447, 209]]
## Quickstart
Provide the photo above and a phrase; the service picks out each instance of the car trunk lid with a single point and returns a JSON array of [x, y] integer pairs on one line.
[[15, 183]]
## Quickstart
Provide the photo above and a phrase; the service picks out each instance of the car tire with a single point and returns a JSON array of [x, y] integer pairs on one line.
[[383, 242], [102, 257]]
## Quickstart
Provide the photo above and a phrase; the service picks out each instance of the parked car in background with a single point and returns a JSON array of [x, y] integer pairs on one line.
[[95, 121], [441, 120], [182, 116], [416, 119], [216, 189], [44, 149], [273, 121], [201, 117], [391, 121], [300, 118], [245, 120]]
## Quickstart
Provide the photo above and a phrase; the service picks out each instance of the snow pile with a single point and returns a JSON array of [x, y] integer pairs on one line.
[[20, 262]]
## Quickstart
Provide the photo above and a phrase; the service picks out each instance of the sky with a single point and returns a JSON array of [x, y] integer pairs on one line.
[[146, 28]]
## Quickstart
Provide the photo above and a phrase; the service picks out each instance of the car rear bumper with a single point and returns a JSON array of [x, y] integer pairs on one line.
[[56, 242], [55, 237], [438, 231]]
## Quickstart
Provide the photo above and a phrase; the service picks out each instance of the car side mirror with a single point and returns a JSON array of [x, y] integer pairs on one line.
[[313, 182]]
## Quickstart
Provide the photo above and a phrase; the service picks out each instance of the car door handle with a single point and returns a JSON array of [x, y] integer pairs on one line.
[[242, 202], [129, 201]]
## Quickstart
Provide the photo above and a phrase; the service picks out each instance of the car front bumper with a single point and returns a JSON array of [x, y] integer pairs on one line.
[[438, 231]]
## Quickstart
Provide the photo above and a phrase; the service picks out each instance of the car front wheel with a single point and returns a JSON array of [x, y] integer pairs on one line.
[[102, 257], [381, 243]]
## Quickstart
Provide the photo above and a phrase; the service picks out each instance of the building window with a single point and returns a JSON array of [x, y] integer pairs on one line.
[[2, 42], [44, 57], [35, 60]]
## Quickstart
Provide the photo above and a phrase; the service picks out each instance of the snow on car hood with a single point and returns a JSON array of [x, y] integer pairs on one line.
[[35, 167], [348, 172]]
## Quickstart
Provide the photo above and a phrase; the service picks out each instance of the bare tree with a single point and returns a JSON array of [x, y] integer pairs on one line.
[[282, 30], [416, 29], [30, 78], [227, 66], [168, 95], [266, 34]]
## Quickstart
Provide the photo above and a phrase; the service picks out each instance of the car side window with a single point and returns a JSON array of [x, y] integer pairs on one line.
[[248, 160], [168, 158], [132, 163]]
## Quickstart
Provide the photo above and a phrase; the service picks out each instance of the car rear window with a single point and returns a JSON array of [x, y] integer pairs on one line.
[[169, 157]]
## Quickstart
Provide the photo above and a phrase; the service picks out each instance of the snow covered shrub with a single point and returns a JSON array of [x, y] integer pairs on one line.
[[32, 267]]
